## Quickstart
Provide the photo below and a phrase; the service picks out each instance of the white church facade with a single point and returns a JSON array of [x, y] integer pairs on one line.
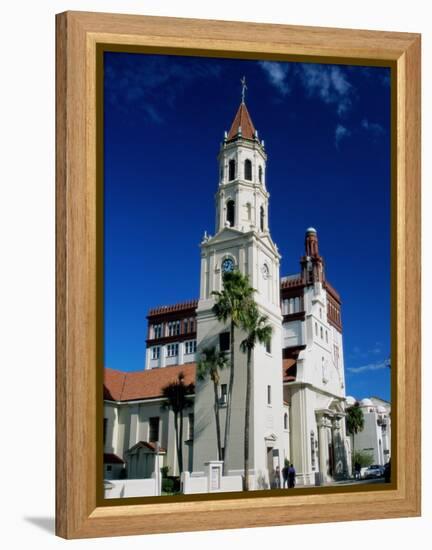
[[298, 383]]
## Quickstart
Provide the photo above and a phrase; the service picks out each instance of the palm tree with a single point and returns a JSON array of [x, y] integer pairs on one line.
[[210, 363], [230, 304], [257, 331], [354, 420], [177, 399]]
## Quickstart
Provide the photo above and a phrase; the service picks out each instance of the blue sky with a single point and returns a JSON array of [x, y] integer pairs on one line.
[[327, 135]]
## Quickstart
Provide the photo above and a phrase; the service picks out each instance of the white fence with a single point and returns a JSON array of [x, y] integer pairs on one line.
[[203, 484], [120, 488]]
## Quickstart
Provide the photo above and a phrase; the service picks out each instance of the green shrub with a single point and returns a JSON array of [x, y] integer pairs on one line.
[[364, 458], [167, 485]]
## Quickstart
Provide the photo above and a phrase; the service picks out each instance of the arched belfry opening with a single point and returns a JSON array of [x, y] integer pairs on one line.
[[231, 169], [248, 170], [230, 212], [260, 174], [262, 218]]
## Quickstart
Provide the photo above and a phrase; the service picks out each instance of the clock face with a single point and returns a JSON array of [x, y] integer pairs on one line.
[[227, 265]]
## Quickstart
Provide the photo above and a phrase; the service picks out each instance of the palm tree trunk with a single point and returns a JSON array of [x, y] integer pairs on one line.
[[247, 421], [177, 436], [216, 409], [180, 444], [229, 400]]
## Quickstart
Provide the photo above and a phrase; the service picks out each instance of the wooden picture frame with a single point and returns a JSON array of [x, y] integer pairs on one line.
[[79, 35]]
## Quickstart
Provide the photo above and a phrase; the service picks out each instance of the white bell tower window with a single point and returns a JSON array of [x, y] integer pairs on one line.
[[248, 170], [231, 169], [230, 212]]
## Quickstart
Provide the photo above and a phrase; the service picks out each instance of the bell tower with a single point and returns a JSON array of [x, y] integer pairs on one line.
[[242, 198], [242, 241]]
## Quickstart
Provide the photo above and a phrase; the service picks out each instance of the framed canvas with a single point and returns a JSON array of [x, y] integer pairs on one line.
[[98, 393]]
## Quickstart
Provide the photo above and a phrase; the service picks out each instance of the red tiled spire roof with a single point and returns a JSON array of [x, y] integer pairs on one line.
[[243, 120]]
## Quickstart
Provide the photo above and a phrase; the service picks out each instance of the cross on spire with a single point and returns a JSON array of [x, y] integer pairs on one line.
[[244, 88]]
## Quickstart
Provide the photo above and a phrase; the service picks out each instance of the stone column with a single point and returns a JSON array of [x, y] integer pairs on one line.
[[237, 210], [323, 448], [221, 211]]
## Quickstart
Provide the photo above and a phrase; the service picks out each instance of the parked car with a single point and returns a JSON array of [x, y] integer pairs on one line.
[[374, 471]]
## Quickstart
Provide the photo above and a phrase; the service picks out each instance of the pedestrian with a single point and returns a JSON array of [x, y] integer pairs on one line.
[[277, 481], [291, 477], [285, 474], [357, 469]]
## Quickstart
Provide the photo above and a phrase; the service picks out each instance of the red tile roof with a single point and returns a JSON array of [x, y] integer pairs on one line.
[[111, 458], [147, 384], [144, 384], [243, 120], [114, 381], [288, 369], [148, 445], [191, 304]]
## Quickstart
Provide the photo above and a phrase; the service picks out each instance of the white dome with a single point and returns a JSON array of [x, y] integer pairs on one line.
[[311, 230], [381, 409], [350, 401], [366, 403]]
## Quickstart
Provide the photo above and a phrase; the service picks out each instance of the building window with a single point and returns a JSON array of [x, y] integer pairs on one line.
[[231, 169], [191, 426], [154, 428], [320, 313], [316, 329], [291, 305], [327, 336], [221, 172], [192, 325], [155, 352], [262, 218], [190, 347], [223, 394], [321, 333], [230, 209], [185, 326], [248, 170], [268, 395], [105, 428], [172, 350], [157, 331], [109, 468], [285, 421], [260, 174], [268, 346], [224, 341], [173, 328]]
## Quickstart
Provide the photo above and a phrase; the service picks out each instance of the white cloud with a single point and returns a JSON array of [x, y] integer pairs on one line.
[[370, 367], [341, 132], [329, 83], [133, 82], [277, 74], [373, 127]]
